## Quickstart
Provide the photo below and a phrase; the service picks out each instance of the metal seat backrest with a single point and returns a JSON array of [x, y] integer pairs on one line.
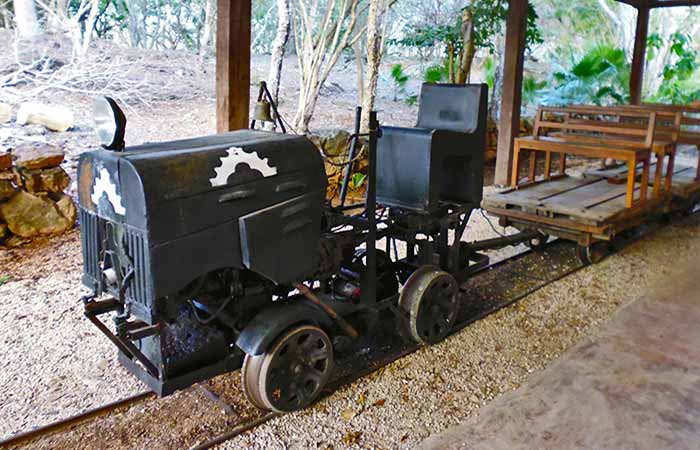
[[453, 107]]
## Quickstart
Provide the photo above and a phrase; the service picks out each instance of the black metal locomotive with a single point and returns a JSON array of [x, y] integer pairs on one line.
[[221, 252]]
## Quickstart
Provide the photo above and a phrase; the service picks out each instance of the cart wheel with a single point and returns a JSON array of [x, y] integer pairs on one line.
[[538, 242], [593, 253], [430, 298], [291, 374]]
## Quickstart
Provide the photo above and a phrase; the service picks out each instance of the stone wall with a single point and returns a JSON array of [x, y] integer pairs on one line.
[[32, 198], [335, 144]]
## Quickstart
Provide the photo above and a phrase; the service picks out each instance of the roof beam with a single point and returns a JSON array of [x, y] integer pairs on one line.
[[670, 3], [634, 3], [660, 3]]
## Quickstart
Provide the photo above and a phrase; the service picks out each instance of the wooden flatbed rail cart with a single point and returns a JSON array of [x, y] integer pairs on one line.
[[587, 209], [686, 177]]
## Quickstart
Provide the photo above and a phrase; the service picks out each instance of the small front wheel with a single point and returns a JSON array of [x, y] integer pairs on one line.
[[290, 375], [538, 242], [430, 297]]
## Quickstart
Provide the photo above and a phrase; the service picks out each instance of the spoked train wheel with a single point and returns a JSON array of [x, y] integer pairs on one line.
[[291, 374], [430, 296]]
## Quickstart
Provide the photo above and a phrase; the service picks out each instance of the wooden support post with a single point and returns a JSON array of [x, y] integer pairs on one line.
[[233, 25], [639, 54], [509, 126]]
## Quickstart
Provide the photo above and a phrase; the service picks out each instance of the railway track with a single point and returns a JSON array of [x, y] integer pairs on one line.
[[69, 422], [567, 262]]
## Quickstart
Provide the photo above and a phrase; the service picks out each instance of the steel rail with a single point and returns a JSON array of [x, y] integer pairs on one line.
[[52, 428]]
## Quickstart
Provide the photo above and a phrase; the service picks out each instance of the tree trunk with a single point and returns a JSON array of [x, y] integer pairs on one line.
[[56, 20], [320, 36], [4, 17], [26, 18], [495, 104], [360, 67], [209, 16], [135, 36], [89, 28], [376, 29], [468, 49], [284, 25]]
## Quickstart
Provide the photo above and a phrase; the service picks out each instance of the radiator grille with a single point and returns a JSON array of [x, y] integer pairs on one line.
[[91, 242], [137, 249], [134, 244]]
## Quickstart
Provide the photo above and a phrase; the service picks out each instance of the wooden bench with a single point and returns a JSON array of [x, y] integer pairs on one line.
[[635, 146], [667, 115], [664, 143]]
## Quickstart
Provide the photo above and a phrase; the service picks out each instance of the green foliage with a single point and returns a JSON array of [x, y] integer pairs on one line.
[[412, 100], [357, 180], [490, 72], [600, 77], [531, 90], [4, 279], [489, 18], [400, 78], [436, 74], [681, 77]]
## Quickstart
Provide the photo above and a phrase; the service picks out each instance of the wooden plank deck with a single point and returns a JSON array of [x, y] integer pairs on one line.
[[683, 183], [589, 200]]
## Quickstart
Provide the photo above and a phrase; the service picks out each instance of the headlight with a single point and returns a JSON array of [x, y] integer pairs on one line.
[[110, 123]]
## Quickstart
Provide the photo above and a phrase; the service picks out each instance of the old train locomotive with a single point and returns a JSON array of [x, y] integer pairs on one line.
[[221, 252]]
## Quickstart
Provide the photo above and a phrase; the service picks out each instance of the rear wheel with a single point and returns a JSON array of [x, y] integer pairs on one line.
[[291, 374], [430, 297]]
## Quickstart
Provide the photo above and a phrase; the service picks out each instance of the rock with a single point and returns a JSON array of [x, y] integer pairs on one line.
[[7, 190], [28, 216], [5, 160], [41, 156], [5, 112], [54, 179], [15, 241], [55, 118], [332, 142], [67, 208]]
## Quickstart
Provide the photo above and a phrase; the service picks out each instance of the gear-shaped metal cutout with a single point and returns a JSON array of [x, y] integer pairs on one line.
[[104, 185], [236, 156]]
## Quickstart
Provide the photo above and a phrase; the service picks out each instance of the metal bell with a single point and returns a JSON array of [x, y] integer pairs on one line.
[[263, 111]]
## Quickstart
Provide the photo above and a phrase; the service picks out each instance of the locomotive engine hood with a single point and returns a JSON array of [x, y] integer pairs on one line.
[[178, 210], [139, 185]]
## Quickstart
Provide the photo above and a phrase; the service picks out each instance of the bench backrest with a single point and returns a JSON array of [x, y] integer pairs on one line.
[[668, 123], [635, 124]]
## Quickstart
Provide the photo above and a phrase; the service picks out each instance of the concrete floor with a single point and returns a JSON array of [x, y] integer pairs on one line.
[[636, 385]]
